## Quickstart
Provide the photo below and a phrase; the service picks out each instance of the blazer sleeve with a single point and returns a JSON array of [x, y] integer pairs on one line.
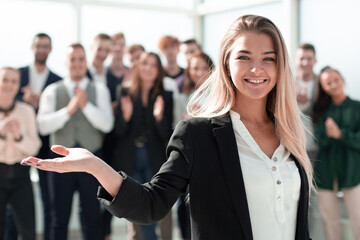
[[150, 202]]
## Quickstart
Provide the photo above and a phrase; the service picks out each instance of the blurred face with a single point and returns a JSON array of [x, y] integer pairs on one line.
[[148, 69], [305, 61], [252, 66], [76, 63], [332, 83], [9, 83], [198, 71], [101, 49], [134, 57], [170, 52], [118, 47], [41, 48], [189, 49]]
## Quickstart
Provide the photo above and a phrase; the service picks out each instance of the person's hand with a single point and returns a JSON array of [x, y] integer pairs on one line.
[[332, 129], [14, 127], [126, 107], [82, 96], [301, 95], [30, 96], [159, 106], [36, 100], [73, 105], [74, 160], [79, 160], [5, 127]]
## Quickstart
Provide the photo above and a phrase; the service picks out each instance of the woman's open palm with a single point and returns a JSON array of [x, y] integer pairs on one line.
[[74, 160]]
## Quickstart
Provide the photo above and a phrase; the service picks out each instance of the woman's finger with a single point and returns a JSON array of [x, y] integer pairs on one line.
[[61, 150]]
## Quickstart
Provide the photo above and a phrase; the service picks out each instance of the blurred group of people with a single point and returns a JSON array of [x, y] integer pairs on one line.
[[123, 114], [126, 115], [332, 120]]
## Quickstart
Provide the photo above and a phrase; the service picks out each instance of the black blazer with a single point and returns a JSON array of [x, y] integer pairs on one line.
[[203, 155], [158, 133], [24, 80]]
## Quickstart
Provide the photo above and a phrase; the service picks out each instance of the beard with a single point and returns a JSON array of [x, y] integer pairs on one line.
[[40, 61]]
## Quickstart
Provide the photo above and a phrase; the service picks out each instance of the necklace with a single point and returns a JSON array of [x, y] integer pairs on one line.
[[7, 110]]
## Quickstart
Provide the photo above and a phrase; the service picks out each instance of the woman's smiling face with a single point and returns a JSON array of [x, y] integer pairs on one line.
[[252, 65]]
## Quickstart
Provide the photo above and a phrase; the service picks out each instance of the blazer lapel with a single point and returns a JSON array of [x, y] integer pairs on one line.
[[229, 156]]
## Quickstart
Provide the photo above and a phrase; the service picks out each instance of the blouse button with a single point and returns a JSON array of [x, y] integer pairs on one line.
[[278, 199], [273, 168], [275, 159], [278, 182]]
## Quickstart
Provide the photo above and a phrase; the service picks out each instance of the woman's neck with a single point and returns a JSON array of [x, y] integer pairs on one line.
[[252, 111], [5, 102], [339, 99]]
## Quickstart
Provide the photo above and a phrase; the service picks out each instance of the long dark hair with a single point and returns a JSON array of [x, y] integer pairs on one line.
[[135, 87], [323, 100]]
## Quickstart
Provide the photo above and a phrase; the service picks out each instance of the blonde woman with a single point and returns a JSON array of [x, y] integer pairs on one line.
[[242, 156]]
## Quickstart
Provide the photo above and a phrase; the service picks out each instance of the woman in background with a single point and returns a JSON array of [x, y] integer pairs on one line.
[[18, 139], [337, 130], [199, 68], [143, 126]]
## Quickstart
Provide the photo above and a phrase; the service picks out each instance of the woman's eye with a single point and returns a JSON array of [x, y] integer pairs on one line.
[[269, 59], [243, 58]]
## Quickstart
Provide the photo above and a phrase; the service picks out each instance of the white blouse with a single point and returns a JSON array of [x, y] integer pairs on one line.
[[272, 186]]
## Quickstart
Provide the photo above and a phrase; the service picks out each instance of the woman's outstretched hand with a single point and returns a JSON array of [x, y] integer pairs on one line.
[[79, 160], [74, 160]]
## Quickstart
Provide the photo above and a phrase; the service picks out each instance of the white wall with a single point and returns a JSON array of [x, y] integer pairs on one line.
[[139, 26], [216, 25], [334, 28], [21, 20]]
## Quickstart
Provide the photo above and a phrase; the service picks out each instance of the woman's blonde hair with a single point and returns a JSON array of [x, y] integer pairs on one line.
[[216, 96]]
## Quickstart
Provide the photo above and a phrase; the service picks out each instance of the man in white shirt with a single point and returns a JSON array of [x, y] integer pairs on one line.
[[100, 49], [75, 112], [306, 91]]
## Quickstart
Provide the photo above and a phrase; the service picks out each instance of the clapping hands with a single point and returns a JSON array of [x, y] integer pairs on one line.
[[332, 129]]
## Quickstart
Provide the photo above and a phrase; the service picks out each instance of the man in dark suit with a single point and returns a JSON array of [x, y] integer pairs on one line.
[[34, 79]]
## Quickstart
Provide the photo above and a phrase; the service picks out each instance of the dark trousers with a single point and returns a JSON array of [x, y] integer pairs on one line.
[[143, 172], [108, 148], [61, 194], [10, 229], [44, 189], [16, 190]]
